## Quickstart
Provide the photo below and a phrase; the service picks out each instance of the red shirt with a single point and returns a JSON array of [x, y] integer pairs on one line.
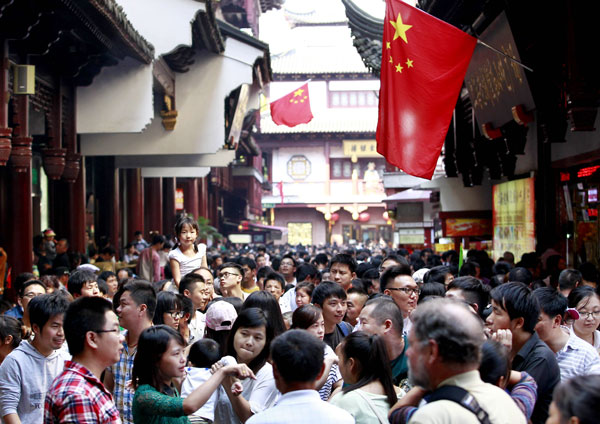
[[76, 395]]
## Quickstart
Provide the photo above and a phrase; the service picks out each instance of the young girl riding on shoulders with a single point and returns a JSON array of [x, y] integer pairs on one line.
[[187, 255]]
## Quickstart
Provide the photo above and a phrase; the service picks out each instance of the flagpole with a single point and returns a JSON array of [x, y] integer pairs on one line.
[[504, 54]]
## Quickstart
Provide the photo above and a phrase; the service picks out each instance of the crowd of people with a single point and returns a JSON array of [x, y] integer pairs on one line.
[[284, 334]]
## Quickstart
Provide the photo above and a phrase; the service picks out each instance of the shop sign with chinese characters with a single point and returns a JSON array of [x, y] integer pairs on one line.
[[514, 217]]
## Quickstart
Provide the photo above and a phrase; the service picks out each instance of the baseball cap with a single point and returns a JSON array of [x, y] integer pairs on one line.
[[89, 267], [49, 232], [220, 316]]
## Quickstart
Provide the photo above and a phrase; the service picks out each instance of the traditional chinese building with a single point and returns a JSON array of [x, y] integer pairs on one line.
[[48, 51], [528, 109], [326, 175]]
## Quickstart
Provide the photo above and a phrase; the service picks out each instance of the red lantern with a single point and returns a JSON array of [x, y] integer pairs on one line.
[[335, 216], [364, 217]]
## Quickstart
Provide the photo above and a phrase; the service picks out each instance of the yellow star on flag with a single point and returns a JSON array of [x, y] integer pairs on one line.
[[388, 45], [400, 28], [409, 63], [298, 92], [391, 60], [399, 68]]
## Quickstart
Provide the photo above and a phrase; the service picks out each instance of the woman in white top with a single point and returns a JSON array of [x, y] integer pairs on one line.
[[187, 256], [248, 343], [365, 367], [587, 303]]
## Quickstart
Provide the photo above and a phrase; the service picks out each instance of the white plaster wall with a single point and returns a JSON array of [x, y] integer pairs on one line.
[[118, 100], [315, 155], [164, 23], [200, 96], [455, 197]]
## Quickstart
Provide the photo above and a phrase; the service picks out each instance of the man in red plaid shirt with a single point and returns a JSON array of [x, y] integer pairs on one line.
[[77, 394]]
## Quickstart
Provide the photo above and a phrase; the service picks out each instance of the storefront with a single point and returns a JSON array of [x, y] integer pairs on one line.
[[578, 212]]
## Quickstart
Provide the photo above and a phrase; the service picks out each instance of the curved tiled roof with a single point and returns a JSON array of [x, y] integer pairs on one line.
[[367, 33], [139, 47]]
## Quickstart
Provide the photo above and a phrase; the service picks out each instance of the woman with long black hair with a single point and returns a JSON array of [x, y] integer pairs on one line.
[[365, 367]]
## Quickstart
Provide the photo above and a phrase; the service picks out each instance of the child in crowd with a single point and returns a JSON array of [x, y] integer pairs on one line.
[[203, 354], [304, 293], [310, 318], [188, 255], [159, 362]]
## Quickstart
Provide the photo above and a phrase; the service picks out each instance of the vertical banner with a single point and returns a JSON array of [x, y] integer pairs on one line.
[[514, 218]]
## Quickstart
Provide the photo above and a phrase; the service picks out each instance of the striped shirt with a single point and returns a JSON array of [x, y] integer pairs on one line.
[[121, 372], [333, 377], [577, 357]]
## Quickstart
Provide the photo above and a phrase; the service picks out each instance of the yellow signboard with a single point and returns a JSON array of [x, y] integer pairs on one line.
[[361, 149], [514, 218], [300, 233]]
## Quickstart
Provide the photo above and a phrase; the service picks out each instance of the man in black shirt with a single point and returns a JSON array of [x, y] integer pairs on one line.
[[331, 298], [514, 308]]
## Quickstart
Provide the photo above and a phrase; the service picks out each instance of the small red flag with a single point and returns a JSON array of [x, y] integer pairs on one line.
[[423, 65], [293, 108]]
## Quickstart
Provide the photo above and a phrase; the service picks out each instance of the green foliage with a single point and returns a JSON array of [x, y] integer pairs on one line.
[[207, 231]]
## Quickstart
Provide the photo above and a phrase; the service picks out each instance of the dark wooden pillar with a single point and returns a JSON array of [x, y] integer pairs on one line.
[[135, 202], [5, 131], [107, 214], [153, 209], [74, 176], [169, 211], [77, 213], [21, 230], [190, 197], [203, 194]]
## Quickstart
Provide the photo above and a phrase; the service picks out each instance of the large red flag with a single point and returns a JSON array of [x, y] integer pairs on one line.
[[293, 108], [423, 64]]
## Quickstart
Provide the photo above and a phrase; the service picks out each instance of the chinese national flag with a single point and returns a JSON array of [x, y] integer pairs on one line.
[[293, 108], [423, 64]]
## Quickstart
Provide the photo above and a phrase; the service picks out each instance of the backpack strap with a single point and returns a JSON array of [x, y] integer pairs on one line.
[[462, 397], [345, 327]]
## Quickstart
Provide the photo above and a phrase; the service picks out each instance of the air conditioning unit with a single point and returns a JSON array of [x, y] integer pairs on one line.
[[24, 79]]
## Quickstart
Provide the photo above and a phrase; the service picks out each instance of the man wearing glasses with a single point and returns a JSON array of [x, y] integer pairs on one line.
[[77, 395], [26, 292], [398, 283], [230, 280]]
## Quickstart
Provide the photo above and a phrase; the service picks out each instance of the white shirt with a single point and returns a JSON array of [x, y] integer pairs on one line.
[[188, 264], [260, 393], [577, 357], [302, 407], [194, 378], [197, 326], [289, 299]]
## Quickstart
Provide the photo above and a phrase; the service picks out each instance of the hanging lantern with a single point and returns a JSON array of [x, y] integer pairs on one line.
[[335, 216], [327, 216], [364, 217], [355, 215], [385, 216]]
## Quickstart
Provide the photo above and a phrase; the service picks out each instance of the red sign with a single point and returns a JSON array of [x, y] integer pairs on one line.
[[468, 227], [588, 171]]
